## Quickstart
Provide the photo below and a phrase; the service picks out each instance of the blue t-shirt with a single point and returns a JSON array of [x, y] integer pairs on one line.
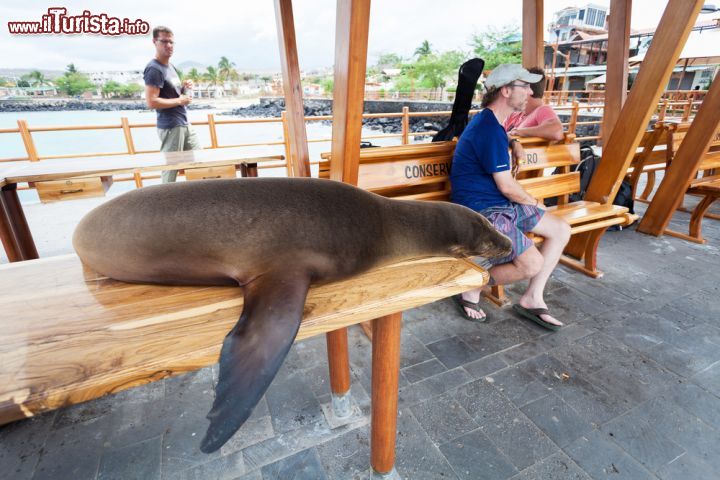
[[481, 151], [166, 79]]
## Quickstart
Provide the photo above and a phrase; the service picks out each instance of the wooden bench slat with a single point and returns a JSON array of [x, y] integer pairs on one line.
[[113, 335], [588, 213], [552, 185]]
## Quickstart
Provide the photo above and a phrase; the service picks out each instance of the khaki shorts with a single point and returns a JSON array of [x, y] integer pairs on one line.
[[176, 139]]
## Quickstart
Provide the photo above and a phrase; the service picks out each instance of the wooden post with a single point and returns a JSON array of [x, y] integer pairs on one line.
[[621, 145], [617, 64], [405, 125], [684, 166], [292, 88], [532, 34], [385, 375], [668, 41], [572, 124], [351, 39], [28, 141], [351, 35], [128, 135], [14, 230], [213, 131], [286, 142]]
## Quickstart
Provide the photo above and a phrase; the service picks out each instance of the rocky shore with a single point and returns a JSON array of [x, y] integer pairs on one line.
[[274, 107], [74, 105]]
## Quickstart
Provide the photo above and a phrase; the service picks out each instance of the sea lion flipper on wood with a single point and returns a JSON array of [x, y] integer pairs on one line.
[[254, 350]]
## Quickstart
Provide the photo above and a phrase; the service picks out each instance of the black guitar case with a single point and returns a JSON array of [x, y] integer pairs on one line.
[[468, 76]]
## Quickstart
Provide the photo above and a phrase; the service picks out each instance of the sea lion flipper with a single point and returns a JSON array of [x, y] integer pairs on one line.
[[254, 350]]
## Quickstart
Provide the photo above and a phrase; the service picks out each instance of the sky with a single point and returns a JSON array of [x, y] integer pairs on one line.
[[245, 30]]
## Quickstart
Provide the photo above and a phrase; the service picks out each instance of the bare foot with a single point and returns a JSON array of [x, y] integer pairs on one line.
[[471, 305]]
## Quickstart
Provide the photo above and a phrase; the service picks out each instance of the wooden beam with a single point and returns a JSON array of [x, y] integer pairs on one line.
[[351, 38], [684, 166], [617, 63], [533, 47], [292, 88], [669, 39]]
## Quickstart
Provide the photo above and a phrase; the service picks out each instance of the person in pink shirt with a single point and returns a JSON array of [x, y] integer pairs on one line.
[[538, 119]]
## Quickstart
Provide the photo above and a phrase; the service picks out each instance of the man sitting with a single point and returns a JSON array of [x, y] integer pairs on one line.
[[537, 119], [481, 179]]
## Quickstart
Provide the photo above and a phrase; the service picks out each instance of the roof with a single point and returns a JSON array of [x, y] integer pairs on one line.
[[701, 48]]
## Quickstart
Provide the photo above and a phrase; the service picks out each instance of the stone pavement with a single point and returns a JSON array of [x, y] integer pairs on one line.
[[629, 389]]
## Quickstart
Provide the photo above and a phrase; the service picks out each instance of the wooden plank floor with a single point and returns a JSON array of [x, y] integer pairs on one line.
[[70, 335]]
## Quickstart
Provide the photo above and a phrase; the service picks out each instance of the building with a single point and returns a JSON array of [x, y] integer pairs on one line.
[[568, 22]]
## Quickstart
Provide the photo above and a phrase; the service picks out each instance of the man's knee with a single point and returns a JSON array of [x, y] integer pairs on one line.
[[529, 262], [556, 229]]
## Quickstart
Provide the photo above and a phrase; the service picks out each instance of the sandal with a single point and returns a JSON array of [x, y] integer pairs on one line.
[[534, 315], [463, 304]]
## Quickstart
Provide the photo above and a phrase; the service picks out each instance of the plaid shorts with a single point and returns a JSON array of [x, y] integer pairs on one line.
[[513, 220]]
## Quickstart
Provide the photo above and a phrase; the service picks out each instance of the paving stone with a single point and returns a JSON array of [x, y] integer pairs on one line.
[[227, 467], [300, 466], [416, 456], [453, 352], [699, 304], [518, 330], [253, 431], [412, 351], [292, 403], [423, 370], [636, 380], [556, 467], [686, 467], [709, 379], [485, 366], [139, 461], [695, 400], [181, 442], [443, 418], [433, 386], [73, 451], [474, 457], [590, 401], [21, 444], [682, 361], [603, 459], [508, 428], [487, 341], [641, 440], [566, 335], [520, 386], [82, 412], [684, 429], [522, 352], [556, 419], [348, 455]]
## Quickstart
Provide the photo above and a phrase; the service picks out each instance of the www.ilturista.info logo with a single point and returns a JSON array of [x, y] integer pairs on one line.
[[57, 21]]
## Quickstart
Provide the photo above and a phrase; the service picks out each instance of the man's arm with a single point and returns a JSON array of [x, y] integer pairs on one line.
[[550, 129], [154, 102], [512, 190]]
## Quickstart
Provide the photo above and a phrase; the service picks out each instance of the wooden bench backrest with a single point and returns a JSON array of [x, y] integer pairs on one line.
[[422, 171], [678, 131], [653, 148]]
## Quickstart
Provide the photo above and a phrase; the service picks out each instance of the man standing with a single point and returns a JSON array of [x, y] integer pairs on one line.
[[537, 119], [481, 179], [168, 96]]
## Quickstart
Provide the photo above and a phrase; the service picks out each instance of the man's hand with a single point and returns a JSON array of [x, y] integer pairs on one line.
[[184, 100], [518, 157], [187, 84]]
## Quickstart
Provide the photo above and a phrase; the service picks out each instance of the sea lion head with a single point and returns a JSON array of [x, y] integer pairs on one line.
[[477, 237]]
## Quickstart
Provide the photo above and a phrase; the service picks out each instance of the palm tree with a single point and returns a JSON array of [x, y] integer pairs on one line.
[[226, 69], [423, 50], [37, 78], [211, 76], [70, 69], [194, 75]]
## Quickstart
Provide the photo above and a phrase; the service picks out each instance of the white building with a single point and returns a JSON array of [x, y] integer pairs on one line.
[[590, 18]]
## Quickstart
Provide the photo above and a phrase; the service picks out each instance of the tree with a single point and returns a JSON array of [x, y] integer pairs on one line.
[[327, 85], [71, 69], [434, 70], [110, 89], [389, 60], [497, 46], [423, 50], [211, 76], [73, 84], [226, 70], [194, 75], [37, 78], [130, 90]]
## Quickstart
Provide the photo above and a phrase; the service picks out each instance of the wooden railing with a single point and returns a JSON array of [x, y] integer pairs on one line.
[[682, 109]]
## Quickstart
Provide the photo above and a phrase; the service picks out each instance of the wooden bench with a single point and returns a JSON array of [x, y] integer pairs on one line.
[[70, 335], [421, 172], [651, 157]]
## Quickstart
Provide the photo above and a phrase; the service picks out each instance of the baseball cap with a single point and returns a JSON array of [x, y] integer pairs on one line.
[[508, 73]]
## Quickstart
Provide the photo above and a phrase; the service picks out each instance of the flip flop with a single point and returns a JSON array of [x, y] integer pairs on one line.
[[534, 315], [463, 304]]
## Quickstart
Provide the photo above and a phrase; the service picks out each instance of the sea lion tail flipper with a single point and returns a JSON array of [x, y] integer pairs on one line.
[[254, 350]]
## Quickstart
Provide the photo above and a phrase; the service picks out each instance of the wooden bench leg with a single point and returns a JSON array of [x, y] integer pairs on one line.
[[385, 376], [496, 294], [14, 231], [648, 188], [588, 265], [695, 221], [339, 366]]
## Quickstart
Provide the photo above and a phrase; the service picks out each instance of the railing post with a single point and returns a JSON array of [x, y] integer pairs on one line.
[[687, 110], [137, 176], [128, 135], [286, 141], [572, 125], [213, 131], [405, 126], [663, 110], [28, 141]]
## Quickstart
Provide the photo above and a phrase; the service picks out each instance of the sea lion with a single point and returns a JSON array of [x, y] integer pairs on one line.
[[273, 237]]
